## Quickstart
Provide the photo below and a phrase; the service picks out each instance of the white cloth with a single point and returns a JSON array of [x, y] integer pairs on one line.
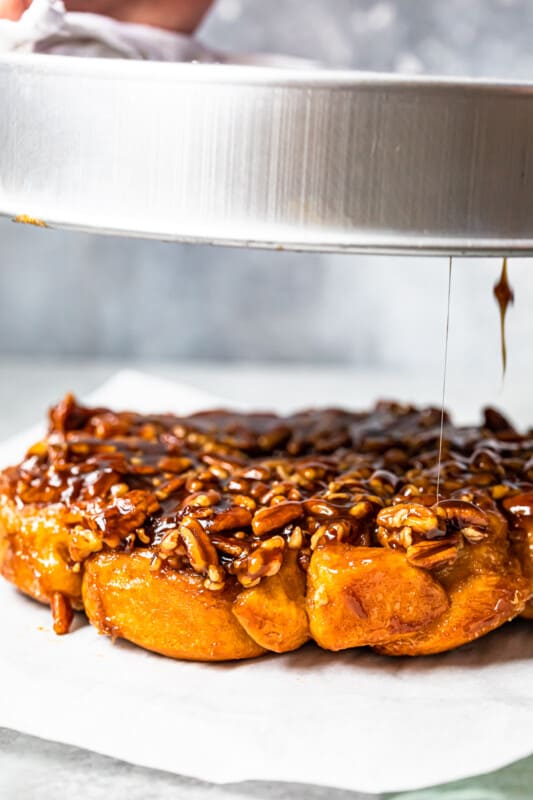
[[46, 27], [351, 720]]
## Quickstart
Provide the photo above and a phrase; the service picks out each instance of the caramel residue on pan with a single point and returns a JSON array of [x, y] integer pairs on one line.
[[25, 219]]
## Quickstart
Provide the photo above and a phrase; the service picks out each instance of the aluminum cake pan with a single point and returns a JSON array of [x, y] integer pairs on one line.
[[305, 159]]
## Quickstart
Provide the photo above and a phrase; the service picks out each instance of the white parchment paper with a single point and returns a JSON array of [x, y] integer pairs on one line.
[[350, 720]]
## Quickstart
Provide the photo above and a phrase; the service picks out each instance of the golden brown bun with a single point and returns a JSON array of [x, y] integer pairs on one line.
[[192, 622], [368, 596], [34, 552], [274, 613], [477, 606], [355, 596], [486, 587], [523, 547], [168, 612]]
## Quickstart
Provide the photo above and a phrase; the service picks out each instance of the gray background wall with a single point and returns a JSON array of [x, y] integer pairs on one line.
[[67, 294]]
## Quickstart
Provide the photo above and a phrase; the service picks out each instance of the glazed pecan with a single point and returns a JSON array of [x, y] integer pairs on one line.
[[199, 549], [62, 614], [232, 518], [263, 562], [83, 542], [412, 515], [275, 517], [465, 517], [432, 554]]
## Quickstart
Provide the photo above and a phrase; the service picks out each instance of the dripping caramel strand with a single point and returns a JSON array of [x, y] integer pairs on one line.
[[504, 297]]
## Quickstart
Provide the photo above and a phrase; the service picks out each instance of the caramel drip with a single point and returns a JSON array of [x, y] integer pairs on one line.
[[504, 297]]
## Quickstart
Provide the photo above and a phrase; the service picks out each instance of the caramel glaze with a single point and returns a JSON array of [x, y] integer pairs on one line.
[[243, 482]]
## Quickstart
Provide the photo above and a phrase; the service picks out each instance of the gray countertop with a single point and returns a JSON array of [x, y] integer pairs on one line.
[[32, 769]]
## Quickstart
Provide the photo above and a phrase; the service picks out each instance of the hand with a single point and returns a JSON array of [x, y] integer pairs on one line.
[[176, 15], [13, 9]]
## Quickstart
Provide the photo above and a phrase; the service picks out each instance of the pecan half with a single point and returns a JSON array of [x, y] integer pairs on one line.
[[124, 515], [174, 464], [270, 519], [465, 517], [202, 499], [200, 551], [338, 530], [320, 508], [263, 562], [62, 614], [432, 554], [413, 515], [232, 518], [230, 545]]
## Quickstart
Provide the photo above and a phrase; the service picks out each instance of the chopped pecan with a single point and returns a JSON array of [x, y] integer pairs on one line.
[[244, 501], [361, 509], [124, 515], [170, 541], [279, 490], [174, 464], [230, 545], [263, 562], [83, 542], [62, 614], [255, 473], [296, 538], [320, 508], [336, 531], [200, 551], [202, 499]]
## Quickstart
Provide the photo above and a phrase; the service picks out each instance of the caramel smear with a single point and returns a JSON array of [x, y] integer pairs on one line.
[[27, 220], [504, 297]]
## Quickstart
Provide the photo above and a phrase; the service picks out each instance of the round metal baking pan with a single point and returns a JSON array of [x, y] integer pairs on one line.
[[305, 159]]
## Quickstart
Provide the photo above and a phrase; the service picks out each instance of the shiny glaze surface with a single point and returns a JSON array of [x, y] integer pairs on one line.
[[223, 493]]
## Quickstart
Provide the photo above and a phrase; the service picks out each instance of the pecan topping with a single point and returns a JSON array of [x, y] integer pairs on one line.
[[227, 495]]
